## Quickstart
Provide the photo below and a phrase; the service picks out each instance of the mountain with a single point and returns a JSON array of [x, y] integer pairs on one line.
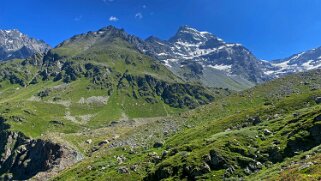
[[303, 61], [89, 90], [202, 57], [100, 107], [14, 44]]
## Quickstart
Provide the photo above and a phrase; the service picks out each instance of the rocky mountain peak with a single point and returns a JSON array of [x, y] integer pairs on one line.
[[14, 44], [112, 30], [191, 35], [153, 39], [201, 56]]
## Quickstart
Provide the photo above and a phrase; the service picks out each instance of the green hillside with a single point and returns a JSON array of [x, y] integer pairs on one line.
[[84, 85], [270, 132]]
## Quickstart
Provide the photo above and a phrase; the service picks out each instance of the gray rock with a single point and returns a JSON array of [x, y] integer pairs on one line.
[[203, 169], [247, 171], [267, 132], [216, 161], [158, 144], [306, 165], [134, 168], [164, 154], [317, 100], [229, 171], [120, 159], [123, 170], [154, 158], [317, 118], [89, 141], [103, 142]]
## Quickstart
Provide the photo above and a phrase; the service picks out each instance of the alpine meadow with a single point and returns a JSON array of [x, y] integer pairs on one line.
[[125, 90]]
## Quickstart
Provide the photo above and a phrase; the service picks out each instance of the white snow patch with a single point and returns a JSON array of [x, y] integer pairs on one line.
[[167, 62], [205, 32], [162, 54], [160, 43], [226, 68], [282, 64], [269, 72], [233, 44], [297, 56]]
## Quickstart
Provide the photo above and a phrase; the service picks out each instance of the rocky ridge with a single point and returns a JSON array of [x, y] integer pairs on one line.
[[14, 44]]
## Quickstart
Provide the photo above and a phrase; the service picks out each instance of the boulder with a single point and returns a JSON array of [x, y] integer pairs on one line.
[[255, 120], [164, 154], [103, 142], [158, 144], [120, 159], [216, 161], [229, 172], [89, 141], [317, 118], [123, 170], [200, 170], [317, 100], [134, 168], [154, 158], [267, 132]]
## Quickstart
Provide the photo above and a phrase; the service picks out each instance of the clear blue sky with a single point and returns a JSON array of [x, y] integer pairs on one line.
[[269, 28]]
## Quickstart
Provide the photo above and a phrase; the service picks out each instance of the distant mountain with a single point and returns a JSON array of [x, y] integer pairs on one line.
[[201, 56], [14, 44], [303, 61]]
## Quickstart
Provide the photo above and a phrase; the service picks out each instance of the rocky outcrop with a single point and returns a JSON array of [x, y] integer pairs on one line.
[[22, 158], [177, 95]]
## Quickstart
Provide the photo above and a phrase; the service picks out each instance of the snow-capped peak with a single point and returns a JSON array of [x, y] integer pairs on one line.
[[15, 44], [193, 36], [306, 60]]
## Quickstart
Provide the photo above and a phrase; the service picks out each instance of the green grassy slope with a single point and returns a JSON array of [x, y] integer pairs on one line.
[[78, 91], [270, 132], [89, 81]]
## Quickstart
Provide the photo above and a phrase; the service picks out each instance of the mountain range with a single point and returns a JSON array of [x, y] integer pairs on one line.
[[194, 56], [107, 105], [201, 56]]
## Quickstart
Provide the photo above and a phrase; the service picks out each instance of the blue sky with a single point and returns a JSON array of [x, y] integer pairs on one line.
[[269, 28]]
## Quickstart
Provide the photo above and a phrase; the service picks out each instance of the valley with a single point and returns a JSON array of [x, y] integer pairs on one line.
[[107, 105]]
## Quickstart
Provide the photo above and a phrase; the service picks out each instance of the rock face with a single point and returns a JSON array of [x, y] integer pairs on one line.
[[22, 158], [14, 44], [203, 57]]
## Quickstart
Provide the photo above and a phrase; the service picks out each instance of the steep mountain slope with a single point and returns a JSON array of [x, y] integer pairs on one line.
[[14, 44], [61, 103], [269, 132], [303, 61], [201, 56]]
